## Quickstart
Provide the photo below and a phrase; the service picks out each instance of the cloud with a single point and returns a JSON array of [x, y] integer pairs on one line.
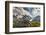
[[20, 11]]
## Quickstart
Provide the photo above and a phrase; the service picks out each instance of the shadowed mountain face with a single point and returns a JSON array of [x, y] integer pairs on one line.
[[22, 16], [25, 17]]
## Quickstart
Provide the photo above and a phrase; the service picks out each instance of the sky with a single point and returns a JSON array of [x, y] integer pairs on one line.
[[32, 12]]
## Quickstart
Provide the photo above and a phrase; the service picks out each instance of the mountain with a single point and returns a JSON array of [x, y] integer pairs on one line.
[[37, 19], [23, 16], [26, 17]]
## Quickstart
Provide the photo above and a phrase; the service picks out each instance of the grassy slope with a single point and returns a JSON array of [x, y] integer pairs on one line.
[[26, 23]]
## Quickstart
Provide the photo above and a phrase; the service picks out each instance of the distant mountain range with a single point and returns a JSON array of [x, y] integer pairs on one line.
[[37, 19]]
